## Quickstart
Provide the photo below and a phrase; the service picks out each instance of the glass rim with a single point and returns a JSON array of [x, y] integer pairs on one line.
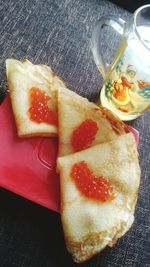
[[135, 25]]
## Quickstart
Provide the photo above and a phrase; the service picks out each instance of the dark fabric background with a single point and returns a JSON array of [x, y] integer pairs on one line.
[[58, 33], [131, 5]]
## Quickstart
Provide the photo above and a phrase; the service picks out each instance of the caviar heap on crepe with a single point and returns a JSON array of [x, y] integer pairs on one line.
[[39, 107], [92, 186]]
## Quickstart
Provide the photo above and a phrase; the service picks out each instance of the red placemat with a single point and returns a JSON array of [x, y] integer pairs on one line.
[[27, 166]]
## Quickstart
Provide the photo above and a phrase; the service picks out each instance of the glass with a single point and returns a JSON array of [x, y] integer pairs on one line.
[[126, 89]]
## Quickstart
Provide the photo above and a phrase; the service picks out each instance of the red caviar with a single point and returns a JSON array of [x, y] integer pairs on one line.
[[95, 187], [39, 110], [84, 135]]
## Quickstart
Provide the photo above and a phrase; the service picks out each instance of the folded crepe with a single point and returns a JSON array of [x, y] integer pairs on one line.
[[83, 124], [99, 188], [33, 97]]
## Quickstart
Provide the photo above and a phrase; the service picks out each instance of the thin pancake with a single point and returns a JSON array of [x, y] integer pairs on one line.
[[22, 76], [90, 225], [73, 110]]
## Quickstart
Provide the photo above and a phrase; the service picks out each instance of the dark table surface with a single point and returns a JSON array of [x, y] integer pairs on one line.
[[58, 33]]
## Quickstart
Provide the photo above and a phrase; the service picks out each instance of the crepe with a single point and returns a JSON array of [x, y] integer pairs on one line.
[[25, 80], [84, 122], [91, 224]]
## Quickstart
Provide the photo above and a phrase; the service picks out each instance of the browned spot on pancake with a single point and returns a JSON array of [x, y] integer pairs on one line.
[[118, 234], [134, 199], [72, 201], [79, 248], [119, 186], [117, 125]]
